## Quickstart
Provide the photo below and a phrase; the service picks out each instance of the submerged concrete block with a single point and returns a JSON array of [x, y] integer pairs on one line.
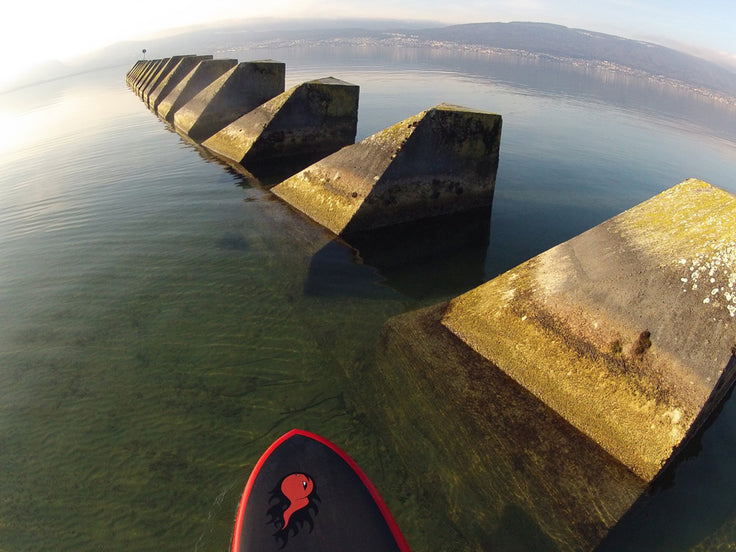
[[235, 93], [300, 126], [439, 162], [200, 77], [499, 456], [627, 330], [175, 76]]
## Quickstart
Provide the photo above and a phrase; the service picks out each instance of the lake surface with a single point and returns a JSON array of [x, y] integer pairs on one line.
[[162, 320]]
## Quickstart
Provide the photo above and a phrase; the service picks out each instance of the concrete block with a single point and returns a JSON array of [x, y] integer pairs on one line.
[[235, 93], [627, 330], [181, 70], [133, 70], [150, 74], [439, 162], [143, 65], [162, 73], [145, 68], [203, 74], [298, 127]]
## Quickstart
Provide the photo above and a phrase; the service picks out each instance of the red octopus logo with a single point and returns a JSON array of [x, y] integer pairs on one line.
[[293, 501]]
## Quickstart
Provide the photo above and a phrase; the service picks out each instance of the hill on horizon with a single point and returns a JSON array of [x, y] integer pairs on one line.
[[564, 42], [545, 39]]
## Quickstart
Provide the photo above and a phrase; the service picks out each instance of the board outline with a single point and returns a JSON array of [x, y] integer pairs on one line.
[[385, 512]]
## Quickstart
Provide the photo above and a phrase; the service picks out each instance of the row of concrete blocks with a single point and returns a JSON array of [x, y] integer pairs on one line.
[[438, 162], [625, 333]]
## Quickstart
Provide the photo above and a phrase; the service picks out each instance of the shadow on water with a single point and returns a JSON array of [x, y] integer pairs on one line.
[[434, 258], [686, 508], [507, 470]]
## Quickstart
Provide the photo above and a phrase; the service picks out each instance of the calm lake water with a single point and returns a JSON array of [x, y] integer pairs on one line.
[[162, 321]]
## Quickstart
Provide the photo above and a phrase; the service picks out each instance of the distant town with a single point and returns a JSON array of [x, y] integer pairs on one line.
[[401, 40]]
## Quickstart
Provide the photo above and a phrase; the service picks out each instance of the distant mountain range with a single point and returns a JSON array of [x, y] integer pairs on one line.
[[562, 42], [540, 39]]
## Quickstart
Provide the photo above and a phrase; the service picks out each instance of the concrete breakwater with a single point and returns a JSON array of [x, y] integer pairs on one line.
[[576, 377], [440, 162]]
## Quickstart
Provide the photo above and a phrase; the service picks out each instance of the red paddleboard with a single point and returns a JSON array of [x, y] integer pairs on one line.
[[307, 495]]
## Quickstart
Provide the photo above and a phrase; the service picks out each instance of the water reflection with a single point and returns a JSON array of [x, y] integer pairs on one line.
[[432, 259], [526, 74], [439, 257]]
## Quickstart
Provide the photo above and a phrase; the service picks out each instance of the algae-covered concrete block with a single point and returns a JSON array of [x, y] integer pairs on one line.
[[200, 77], [439, 162], [626, 330], [300, 126], [498, 456], [235, 93], [174, 77]]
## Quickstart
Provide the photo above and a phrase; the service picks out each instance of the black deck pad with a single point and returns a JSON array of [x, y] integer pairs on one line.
[[307, 495]]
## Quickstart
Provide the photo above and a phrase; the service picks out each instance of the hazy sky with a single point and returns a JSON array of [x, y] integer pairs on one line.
[[34, 30]]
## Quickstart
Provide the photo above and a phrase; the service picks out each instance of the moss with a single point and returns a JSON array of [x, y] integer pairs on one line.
[[616, 347]]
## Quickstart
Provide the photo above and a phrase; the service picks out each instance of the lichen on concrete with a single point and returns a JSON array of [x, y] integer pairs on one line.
[[701, 250]]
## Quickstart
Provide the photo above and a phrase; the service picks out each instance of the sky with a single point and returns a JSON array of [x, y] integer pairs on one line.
[[32, 31]]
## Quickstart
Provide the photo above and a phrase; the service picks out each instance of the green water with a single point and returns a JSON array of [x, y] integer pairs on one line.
[[162, 322]]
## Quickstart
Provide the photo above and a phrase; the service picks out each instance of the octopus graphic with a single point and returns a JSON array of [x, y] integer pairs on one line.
[[292, 504]]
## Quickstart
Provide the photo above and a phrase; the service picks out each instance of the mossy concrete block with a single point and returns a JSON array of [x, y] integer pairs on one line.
[[499, 456], [199, 78], [439, 162], [237, 92], [174, 77], [305, 123], [626, 330]]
